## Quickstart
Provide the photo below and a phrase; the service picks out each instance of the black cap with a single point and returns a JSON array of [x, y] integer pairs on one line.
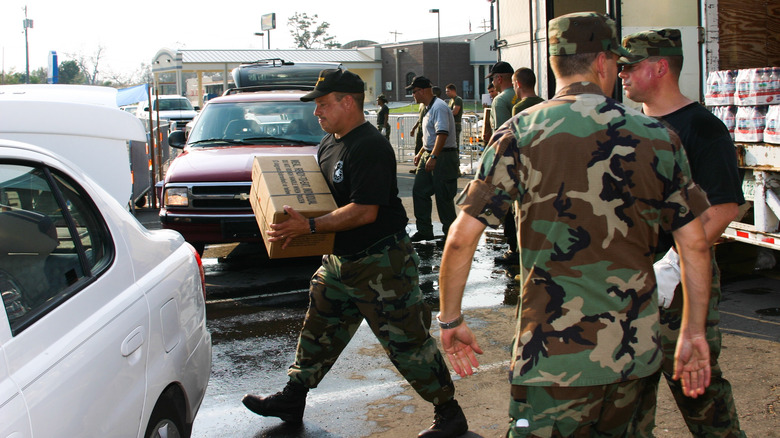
[[500, 67], [331, 80], [420, 82]]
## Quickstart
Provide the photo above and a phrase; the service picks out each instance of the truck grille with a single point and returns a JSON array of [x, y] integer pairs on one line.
[[220, 196], [180, 124]]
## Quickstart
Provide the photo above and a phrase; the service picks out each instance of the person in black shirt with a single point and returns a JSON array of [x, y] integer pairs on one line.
[[372, 273], [654, 81], [383, 116]]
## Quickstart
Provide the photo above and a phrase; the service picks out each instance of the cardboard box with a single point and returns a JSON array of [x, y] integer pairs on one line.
[[293, 180]]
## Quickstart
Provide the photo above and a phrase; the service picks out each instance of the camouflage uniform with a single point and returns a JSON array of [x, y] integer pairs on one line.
[[592, 182], [372, 274], [380, 285], [713, 165]]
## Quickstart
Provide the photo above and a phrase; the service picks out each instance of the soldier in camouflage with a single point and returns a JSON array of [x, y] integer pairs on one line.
[[372, 273], [653, 80], [592, 182]]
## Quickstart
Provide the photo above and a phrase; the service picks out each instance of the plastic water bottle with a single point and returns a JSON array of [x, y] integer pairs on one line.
[[712, 96], [742, 87], [763, 83], [774, 84], [730, 85], [772, 129]]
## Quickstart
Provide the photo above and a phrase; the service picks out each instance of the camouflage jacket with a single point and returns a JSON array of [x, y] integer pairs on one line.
[[593, 181]]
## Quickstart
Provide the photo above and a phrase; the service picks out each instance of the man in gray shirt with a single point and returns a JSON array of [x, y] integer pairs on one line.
[[437, 162]]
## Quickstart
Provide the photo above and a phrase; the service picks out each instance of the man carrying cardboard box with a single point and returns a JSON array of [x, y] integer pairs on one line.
[[373, 271]]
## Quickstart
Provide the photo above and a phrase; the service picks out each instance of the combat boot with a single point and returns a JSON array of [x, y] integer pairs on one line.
[[448, 421], [288, 404]]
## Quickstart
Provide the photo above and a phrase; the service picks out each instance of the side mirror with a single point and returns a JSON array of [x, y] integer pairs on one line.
[[196, 108], [177, 139]]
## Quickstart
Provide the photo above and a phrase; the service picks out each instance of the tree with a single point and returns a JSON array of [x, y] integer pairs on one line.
[[70, 73], [89, 66], [39, 76], [13, 77], [301, 26]]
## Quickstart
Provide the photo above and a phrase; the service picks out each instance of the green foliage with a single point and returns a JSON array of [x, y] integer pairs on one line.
[[12, 77], [70, 73], [308, 33], [37, 76]]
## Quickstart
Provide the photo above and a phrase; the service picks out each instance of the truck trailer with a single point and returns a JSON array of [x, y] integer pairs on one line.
[[727, 36]]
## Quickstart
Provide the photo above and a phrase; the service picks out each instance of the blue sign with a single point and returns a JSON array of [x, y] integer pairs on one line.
[[54, 69]]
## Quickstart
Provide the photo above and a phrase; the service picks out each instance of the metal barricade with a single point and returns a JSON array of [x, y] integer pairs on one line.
[[470, 147]]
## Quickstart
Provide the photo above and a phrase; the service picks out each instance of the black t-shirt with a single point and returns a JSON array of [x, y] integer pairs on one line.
[[382, 116], [711, 154], [360, 168]]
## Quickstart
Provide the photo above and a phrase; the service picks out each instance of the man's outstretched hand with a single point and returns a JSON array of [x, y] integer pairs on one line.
[[459, 346]]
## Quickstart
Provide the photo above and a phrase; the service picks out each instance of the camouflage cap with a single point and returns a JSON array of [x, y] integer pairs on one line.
[[664, 42], [583, 32]]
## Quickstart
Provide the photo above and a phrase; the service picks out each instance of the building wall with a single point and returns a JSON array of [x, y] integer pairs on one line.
[[456, 68], [401, 62]]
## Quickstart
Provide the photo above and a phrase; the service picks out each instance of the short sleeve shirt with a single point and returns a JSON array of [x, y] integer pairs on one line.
[[526, 102], [382, 116], [360, 168], [457, 101], [712, 156], [438, 120], [501, 108], [592, 182]]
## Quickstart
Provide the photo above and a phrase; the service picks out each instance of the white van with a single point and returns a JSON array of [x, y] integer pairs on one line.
[[82, 124]]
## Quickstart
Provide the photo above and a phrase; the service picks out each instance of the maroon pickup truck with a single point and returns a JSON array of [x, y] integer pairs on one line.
[[205, 194]]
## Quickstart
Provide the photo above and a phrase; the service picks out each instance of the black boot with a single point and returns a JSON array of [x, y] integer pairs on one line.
[[448, 421], [288, 404]]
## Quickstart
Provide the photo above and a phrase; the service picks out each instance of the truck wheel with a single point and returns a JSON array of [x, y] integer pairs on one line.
[[200, 247]]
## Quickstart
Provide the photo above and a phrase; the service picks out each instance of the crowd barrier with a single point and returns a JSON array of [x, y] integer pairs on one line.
[[470, 147]]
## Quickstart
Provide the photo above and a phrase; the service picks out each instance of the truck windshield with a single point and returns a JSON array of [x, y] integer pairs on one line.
[[173, 105], [252, 122]]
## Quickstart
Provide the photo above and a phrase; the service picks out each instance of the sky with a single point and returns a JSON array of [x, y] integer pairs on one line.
[[131, 32]]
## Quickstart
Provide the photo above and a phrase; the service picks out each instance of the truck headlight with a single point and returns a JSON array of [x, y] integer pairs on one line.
[[176, 197]]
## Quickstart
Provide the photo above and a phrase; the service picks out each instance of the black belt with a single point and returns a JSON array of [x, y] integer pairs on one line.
[[377, 247]]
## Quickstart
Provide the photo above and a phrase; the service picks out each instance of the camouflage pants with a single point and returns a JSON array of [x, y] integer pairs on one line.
[[713, 413], [380, 286], [584, 411]]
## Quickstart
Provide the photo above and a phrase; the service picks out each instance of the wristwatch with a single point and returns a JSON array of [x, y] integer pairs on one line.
[[433, 157], [451, 324], [312, 226]]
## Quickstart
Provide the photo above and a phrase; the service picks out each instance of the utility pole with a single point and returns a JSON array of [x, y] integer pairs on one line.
[[28, 24], [395, 36], [438, 45]]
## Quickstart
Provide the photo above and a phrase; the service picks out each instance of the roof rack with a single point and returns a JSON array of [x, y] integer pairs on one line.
[[253, 88], [272, 61], [280, 74]]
